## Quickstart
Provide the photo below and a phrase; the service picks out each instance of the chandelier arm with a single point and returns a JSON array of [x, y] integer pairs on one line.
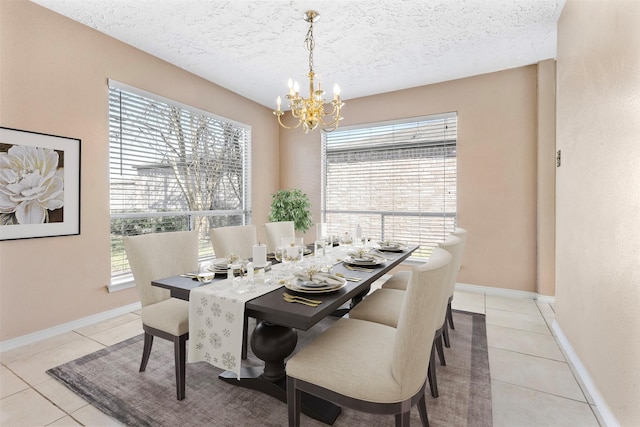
[[285, 126], [332, 123], [297, 112], [336, 110]]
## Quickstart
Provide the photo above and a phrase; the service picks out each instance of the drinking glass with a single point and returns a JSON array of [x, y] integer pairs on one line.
[[277, 254], [319, 248], [322, 234], [321, 230], [292, 251]]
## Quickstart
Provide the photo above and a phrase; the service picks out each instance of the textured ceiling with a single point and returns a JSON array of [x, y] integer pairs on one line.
[[367, 47]]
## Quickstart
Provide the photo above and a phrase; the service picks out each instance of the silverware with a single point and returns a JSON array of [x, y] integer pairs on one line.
[[299, 301], [348, 278], [354, 268], [312, 301]]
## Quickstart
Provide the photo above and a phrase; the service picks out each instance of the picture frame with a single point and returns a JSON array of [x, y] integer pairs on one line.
[[39, 185]]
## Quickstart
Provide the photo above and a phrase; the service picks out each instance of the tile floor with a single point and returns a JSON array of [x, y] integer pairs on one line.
[[531, 383]]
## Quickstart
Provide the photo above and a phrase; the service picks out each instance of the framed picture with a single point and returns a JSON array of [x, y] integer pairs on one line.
[[39, 185]]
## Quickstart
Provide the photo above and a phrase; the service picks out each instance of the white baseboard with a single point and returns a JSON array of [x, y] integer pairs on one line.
[[603, 409], [501, 292], [546, 299], [66, 327]]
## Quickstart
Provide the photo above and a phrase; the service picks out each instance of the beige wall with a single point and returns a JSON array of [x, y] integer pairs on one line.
[[497, 173], [53, 79], [598, 196], [546, 182]]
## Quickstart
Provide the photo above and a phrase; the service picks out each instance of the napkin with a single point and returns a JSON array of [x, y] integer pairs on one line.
[[365, 256], [388, 244], [319, 279]]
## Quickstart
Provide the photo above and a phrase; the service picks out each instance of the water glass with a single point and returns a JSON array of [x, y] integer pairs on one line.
[[292, 250], [278, 253], [319, 247], [322, 234]]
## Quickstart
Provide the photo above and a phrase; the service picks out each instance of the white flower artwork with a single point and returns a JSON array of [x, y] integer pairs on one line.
[[39, 185], [31, 185]]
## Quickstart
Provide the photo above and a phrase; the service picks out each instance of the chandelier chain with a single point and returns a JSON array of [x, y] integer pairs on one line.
[[310, 44]]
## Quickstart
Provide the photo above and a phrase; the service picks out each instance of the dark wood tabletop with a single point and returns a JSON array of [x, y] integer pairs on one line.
[[272, 307]]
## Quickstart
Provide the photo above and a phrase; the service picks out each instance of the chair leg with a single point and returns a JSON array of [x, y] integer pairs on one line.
[[180, 350], [403, 419], [422, 410], [445, 335], [431, 372], [146, 351], [293, 402], [439, 347], [450, 314]]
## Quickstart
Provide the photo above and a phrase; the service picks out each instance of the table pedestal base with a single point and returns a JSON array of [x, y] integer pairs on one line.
[[273, 344], [312, 406]]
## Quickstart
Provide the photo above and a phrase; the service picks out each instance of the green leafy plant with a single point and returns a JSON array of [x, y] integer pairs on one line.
[[291, 205]]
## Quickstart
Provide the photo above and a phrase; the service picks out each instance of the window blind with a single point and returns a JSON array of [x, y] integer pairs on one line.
[[173, 167], [396, 180]]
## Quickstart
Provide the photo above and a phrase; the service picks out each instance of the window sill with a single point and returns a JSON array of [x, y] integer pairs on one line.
[[121, 283]]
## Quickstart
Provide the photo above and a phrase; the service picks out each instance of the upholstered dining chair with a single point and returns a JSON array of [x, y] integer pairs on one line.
[[275, 231], [154, 256], [372, 367], [235, 239], [462, 234], [400, 279], [383, 306]]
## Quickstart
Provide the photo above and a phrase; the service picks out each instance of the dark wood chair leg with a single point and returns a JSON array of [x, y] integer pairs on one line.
[[403, 419], [445, 335], [450, 314], [180, 350], [440, 349], [431, 372], [422, 410], [293, 402], [146, 351]]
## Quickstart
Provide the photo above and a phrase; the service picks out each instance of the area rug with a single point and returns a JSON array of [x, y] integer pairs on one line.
[[110, 381]]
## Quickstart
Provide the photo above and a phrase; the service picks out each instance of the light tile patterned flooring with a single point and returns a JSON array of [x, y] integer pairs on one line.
[[531, 383]]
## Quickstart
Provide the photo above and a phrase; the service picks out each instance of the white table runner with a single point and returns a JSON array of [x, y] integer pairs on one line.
[[216, 320], [216, 316]]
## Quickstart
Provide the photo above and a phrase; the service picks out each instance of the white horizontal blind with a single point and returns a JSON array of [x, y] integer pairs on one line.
[[173, 168], [397, 180]]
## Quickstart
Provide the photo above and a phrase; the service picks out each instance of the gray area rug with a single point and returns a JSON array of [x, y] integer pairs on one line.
[[110, 381]]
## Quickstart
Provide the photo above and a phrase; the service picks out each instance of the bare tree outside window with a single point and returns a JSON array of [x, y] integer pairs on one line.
[[174, 168]]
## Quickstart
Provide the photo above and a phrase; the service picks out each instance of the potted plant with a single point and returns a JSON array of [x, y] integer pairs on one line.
[[291, 205]]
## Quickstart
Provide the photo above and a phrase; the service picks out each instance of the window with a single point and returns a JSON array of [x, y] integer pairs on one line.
[[397, 180], [173, 168]]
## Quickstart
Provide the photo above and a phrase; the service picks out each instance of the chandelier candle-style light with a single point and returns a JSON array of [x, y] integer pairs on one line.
[[310, 112]]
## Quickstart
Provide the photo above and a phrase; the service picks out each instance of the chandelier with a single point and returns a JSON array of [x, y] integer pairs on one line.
[[310, 112]]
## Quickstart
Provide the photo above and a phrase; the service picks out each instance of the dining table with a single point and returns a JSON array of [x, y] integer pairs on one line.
[[278, 319]]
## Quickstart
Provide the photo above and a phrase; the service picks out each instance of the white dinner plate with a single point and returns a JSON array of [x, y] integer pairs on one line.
[[391, 247], [366, 260], [293, 285], [221, 266]]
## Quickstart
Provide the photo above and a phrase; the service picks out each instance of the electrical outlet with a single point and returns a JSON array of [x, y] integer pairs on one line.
[[558, 158]]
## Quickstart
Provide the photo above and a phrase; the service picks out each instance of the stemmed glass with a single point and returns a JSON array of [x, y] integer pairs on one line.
[[322, 235], [292, 251]]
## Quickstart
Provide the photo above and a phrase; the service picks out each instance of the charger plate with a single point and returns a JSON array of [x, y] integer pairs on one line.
[[296, 286]]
